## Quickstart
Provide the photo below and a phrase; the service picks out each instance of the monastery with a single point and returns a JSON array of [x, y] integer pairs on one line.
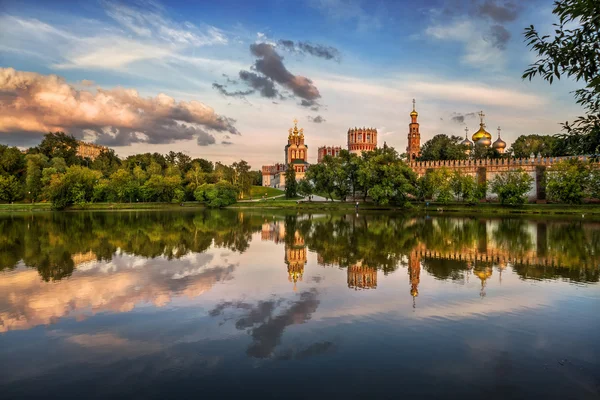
[[365, 139]]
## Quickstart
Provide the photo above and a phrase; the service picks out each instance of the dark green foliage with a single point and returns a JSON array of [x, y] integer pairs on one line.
[[573, 52], [538, 145], [59, 144], [305, 188], [218, 195], [443, 147], [291, 186], [10, 189]]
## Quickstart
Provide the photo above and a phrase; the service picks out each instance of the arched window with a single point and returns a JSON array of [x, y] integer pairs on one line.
[[293, 154]]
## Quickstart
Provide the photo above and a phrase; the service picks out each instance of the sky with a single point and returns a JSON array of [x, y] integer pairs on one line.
[[225, 80]]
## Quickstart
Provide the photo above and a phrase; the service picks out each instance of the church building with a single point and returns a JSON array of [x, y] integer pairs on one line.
[[295, 156]]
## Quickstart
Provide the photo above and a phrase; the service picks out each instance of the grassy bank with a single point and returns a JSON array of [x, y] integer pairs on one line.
[[434, 208], [588, 210]]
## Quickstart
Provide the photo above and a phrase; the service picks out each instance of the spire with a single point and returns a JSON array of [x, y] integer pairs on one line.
[[466, 132], [414, 102], [499, 132]]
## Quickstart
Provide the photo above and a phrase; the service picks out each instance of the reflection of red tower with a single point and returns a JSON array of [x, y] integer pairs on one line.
[[414, 273], [414, 136], [362, 277]]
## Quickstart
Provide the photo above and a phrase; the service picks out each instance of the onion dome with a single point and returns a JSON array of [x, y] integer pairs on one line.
[[499, 144], [482, 133], [484, 142], [467, 142]]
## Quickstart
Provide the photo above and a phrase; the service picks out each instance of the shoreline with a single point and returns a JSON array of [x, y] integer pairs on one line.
[[584, 210]]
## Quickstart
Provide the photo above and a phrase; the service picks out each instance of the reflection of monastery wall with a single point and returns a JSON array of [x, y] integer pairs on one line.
[[488, 249], [362, 277]]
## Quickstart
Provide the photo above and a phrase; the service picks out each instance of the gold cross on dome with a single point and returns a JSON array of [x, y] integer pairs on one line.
[[466, 130], [414, 102], [295, 122], [481, 115]]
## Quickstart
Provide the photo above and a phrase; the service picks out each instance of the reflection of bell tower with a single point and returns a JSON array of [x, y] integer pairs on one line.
[[295, 258], [362, 277], [414, 272]]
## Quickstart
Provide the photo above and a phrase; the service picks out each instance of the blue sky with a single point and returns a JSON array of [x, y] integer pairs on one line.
[[224, 80]]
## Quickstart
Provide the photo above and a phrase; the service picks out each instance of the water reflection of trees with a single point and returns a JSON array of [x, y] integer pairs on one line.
[[551, 249], [55, 243], [50, 242]]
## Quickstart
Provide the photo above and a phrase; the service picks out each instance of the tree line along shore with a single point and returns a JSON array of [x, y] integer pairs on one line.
[[52, 176]]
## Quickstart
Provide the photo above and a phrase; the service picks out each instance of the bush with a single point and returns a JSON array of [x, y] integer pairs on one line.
[[512, 187], [218, 195], [566, 182]]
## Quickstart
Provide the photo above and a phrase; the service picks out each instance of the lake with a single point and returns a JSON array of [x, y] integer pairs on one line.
[[269, 304]]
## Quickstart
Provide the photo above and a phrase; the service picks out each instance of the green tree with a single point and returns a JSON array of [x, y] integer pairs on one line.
[[512, 187], [321, 175], [75, 186], [464, 186], [59, 144], [106, 162], [441, 181], [567, 181], [122, 185], [195, 177], [539, 145], [10, 188], [59, 164], [443, 147], [594, 181], [351, 165], [573, 52], [12, 161], [242, 177], [154, 189], [481, 152], [291, 186], [386, 178], [33, 180], [305, 188], [218, 195]]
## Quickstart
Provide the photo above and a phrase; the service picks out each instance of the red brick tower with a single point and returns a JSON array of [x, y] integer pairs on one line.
[[414, 137]]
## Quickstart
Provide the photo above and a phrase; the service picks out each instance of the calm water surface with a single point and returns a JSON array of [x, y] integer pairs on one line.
[[259, 305]]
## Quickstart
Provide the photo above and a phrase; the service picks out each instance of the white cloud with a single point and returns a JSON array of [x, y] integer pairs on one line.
[[479, 53], [151, 23]]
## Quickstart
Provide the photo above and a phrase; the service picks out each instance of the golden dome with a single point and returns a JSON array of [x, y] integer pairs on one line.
[[414, 112], [481, 133]]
